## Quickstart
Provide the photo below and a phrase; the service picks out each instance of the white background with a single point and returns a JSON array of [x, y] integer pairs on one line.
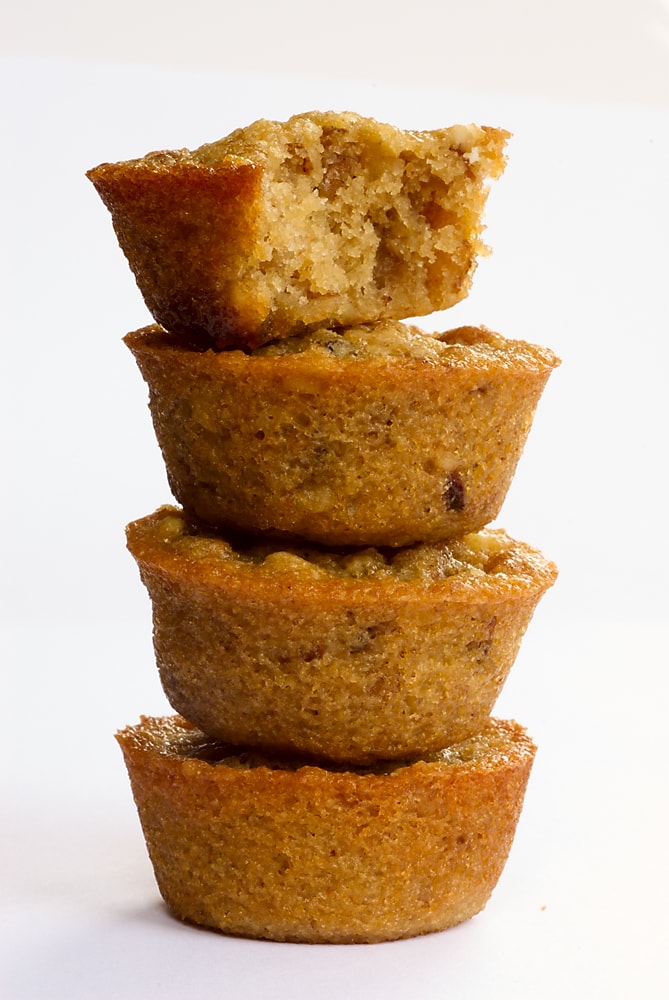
[[578, 227]]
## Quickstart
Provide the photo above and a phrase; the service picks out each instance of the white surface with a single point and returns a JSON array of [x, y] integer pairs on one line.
[[578, 227], [605, 50]]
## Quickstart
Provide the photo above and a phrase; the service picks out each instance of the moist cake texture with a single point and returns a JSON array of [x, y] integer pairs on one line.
[[374, 435], [351, 655], [306, 852], [332, 619], [325, 219]]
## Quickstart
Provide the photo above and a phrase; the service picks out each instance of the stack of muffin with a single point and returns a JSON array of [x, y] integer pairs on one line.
[[333, 620]]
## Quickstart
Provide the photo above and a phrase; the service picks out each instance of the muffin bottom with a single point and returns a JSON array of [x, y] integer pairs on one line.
[[349, 656], [402, 438], [288, 850]]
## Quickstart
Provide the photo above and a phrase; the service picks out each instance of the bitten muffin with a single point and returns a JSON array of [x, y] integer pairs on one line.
[[328, 218], [346, 655], [294, 851], [378, 435]]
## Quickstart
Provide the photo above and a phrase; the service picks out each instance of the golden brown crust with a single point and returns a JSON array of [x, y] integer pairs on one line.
[[362, 793], [380, 450], [157, 245], [319, 855], [350, 657], [326, 218]]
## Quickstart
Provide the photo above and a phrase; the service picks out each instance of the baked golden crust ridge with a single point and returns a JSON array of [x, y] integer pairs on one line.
[[328, 218], [375, 435], [319, 854], [350, 655]]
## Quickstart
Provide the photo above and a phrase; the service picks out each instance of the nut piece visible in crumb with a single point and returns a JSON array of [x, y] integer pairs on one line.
[[300, 851], [370, 435], [349, 655], [325, 219]]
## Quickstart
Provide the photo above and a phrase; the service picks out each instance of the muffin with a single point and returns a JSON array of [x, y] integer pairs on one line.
[[375, 435], [292, 850], [326, 219], [349, 655]]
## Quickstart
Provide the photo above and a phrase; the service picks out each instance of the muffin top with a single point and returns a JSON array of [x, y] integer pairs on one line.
[[485, 559], [387, 343], [385, 339], [175, 737]]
